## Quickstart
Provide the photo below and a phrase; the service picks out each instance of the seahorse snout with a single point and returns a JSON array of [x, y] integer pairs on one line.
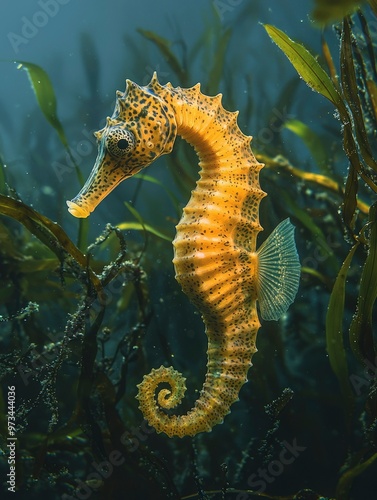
[[78, 211], [102, 180]]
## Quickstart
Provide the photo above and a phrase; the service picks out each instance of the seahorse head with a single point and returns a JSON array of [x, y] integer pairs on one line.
[[141, 129]]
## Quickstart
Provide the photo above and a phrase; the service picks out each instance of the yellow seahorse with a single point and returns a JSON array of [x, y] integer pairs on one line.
[[215, 260]]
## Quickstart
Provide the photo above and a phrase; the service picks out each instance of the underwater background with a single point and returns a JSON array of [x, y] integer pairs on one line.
[[88, 307]]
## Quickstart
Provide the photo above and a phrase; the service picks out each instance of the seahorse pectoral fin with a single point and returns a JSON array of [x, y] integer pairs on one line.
[[278, 274]]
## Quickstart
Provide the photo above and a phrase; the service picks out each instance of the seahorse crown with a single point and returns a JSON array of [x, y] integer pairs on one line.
[[215, 256]]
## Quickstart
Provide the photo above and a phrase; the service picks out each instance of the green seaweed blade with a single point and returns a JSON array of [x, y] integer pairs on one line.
[[361, 329], [216, 71], [44, 92], [140, 225], [148, 178], [312, 141], [350, 91], [48, 232], [307, 67], [346, 480], [163, 46], [334, 331], [45, 95]]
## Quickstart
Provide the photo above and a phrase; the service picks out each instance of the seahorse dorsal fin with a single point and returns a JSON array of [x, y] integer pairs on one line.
[[278, 272]]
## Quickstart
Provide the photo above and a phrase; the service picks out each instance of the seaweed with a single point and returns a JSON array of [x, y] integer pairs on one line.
[[329, 12], [38, 366], [353, 112]]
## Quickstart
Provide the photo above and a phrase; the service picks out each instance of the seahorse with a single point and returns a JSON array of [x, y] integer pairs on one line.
[[215, 257]]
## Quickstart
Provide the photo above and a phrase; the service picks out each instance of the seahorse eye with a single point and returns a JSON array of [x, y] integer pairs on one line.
[[119, 142], [123, 144]]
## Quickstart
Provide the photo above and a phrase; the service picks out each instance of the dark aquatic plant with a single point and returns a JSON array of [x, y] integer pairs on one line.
[[36, 366], [326, 12], [353, 96]]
